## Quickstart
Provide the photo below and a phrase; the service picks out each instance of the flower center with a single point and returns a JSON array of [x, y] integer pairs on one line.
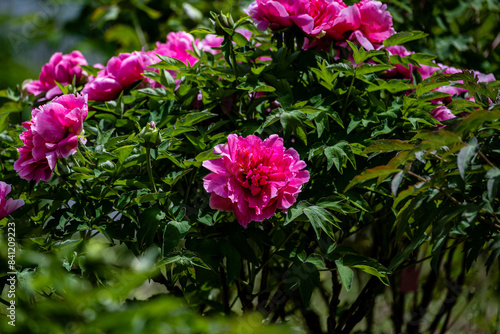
[[255, 178]]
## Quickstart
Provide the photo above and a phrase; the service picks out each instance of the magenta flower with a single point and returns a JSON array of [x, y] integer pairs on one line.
[[7, 205], [212, 41], [376, 21], [62, 69], [325, 14], [254, 178], [177, 46], [26, 166], [119, 73], [348, 20], [442, 113], [279, 14], [51, 134]]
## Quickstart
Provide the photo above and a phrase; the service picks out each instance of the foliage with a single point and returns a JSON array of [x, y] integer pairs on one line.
[[388, 190]]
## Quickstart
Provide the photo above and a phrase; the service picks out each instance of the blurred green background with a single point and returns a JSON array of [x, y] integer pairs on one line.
[[464, 34]]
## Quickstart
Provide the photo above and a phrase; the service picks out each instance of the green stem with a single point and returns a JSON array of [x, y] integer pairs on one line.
[[277, 249], [138, 30], [150, 170], [349, 94]]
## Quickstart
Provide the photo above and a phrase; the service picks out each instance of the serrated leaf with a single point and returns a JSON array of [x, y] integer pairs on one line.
[[149, 221], [379, 171], [493, 183], [426, 87], [403, 37], [388, 145], [321, 220], [346, 275], [174, 232], [466, 155]]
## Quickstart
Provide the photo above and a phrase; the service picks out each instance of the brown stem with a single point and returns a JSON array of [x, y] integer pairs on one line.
[[419, 312], [360, 307], [454, 291], [225, 290], [486, 159], [334, 302]]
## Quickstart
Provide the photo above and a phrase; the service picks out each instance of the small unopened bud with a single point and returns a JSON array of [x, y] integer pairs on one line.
[[224, 21], [151, 135]]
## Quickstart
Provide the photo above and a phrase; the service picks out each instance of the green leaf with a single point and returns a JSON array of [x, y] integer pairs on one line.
[[369, 68], [157, 92], [379, 171], [396, 182], [493, 183], [169, 63], [293, 122], [321, 219], [194, 118], [476, 119], [149, 221], [465, 156], [338, 155], [388, 145], [174, 232], [346, 275], [305, 276], [426, 87], [239, 39], [90, 70], [403, 37]]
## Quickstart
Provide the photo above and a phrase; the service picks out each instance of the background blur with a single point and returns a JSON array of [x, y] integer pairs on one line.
[[464, 33]]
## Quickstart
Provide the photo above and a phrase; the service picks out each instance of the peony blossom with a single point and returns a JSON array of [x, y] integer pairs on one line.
[[253, 178], [324, 14], [442, 113], [212, 41], [119, 73], [177, 46], [51, 134], [7, 205], [376, 21], [62, 69], [27, 166], [279, 14], [348, 20]]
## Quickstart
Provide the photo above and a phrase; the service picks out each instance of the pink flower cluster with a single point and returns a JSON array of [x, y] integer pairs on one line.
[[177, 46], [367, 21], [119, 73], [441, 112], [62, 69], [254, 178], [7, 206], [51, 134]]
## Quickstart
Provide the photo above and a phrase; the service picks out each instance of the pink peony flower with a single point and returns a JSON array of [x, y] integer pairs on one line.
[[442, 113], [401, 51], [212, 41], [253, 178], [7, 205], [61, 68], [279, 14], [348, 20], [119, 73], [26, 166], [177, 46], [376, 21], [324, 14], [51, 134]]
